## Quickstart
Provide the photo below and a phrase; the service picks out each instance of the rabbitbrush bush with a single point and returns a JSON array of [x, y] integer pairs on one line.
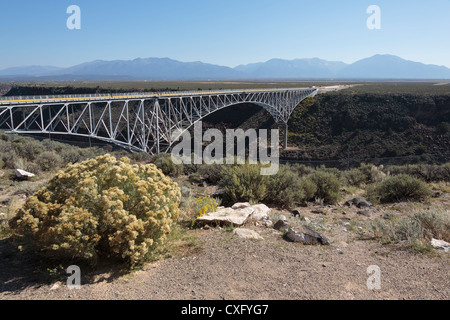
[[102, 206], [204, 205]]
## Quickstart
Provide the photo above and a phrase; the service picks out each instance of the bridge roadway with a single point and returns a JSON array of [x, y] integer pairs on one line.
[[139, 121], [124, 96]]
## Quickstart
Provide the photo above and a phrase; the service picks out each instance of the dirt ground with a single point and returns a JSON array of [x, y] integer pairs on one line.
[[226, 267]]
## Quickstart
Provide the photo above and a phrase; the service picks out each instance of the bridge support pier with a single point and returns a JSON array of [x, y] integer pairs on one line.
[[284, 129], [285, 144]]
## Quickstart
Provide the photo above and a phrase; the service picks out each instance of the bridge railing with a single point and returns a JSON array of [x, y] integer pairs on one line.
[[12, 100]]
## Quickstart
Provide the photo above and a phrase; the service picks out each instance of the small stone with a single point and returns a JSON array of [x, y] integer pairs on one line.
[[364, 213], [296, 213], [306, 219], [281, 225], [247, 234], [267, 223], [56, 286], [440, 244], [6, 202]]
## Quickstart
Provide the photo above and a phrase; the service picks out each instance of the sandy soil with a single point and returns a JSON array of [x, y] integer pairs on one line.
[[231, 268]]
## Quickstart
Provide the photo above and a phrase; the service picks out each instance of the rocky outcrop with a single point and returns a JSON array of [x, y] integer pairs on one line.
[[303, 234], [237, 215], [359, 203], [226, 216], [307, 236], [22, 174]]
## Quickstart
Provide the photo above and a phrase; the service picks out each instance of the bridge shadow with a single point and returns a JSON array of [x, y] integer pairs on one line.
[[22, 270]]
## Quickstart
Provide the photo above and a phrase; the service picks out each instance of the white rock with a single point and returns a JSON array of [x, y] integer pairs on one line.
[[240, 205], [227, 216], [281, 217], [267, 223], [247, 234], [24, 174], [440, 244], [261, 212], [56, 286]]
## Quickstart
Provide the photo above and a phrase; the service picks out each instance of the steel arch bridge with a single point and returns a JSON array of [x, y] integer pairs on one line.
[[138, 121]]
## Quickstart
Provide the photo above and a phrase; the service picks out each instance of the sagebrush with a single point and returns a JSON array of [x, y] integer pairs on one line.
[[100, 207]]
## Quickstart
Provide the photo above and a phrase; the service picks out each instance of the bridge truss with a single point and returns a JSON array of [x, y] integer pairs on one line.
[[139, 122]]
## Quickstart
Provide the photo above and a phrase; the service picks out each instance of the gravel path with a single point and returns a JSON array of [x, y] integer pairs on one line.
[[231, 268]]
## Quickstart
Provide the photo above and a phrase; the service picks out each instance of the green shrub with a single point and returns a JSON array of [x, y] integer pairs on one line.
[[309, 189], [334, 171], [164, 162], [212, 173], [301, 169], [49, 160], [328, 186], [399, 188], [9, 159], [284, 188], [413, 228], [100, 207], [72, 155], [30, 149], [140, 156], [425, 172], [354, 177], [443, 128], [243, 183]]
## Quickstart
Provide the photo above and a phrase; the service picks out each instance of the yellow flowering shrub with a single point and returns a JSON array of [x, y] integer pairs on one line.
[[101, 206], [204, 205]]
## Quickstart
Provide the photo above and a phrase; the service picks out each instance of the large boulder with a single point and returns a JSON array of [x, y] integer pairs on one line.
[[359, 202], [227, 216], [261, 212], [237, 215], [22, 174], [306, 236], [440, 244]]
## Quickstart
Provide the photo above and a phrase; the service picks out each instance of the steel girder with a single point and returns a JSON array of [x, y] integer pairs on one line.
[[142, 124]]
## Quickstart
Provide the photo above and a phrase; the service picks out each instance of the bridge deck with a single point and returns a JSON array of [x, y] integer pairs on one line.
[[21, 100]]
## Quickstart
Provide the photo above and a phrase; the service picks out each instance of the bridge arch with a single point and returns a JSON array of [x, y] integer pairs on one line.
[[138, 121]]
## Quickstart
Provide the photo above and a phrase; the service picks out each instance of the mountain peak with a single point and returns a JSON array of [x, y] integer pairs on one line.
[[379, 66]]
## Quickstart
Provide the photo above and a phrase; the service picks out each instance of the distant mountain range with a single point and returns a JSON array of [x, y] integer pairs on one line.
[[376, 67]]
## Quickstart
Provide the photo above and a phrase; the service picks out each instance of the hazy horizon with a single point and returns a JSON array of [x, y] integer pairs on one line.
[[227, 33]]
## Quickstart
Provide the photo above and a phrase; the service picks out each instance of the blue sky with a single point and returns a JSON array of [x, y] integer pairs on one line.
[[225, 32]]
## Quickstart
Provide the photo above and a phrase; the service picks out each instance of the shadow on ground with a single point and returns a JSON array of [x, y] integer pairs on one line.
[[22, 270]]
